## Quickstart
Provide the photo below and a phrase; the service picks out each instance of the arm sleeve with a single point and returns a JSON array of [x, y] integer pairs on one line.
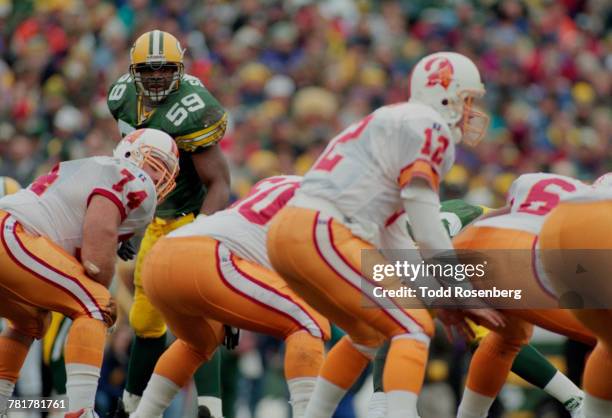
[[422, 205]]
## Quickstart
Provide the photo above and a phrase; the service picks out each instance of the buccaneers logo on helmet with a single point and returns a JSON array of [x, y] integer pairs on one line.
[[442, 75]]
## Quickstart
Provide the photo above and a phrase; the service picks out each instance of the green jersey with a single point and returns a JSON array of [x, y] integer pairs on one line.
[[191, 115], [456, 214]]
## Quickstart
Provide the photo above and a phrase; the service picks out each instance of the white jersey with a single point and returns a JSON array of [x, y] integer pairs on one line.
[[363, 170], [54, 205], [243, 226], [531, 198]]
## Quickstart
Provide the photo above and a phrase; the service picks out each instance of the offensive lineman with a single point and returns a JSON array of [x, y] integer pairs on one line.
[[580, 222], [529, 363], [156, 93], [231, 283], [515, 228], [59, 242]]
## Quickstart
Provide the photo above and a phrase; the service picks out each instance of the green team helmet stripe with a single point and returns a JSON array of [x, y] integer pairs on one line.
[[151, 42]]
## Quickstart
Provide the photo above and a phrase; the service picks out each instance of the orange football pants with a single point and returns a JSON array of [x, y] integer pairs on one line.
[[584, 226], [492, 360], [518, 260], [198, 284], [321, 260], [36, 277]]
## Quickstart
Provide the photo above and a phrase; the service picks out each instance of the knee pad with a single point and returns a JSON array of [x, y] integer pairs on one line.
[[516, 332]]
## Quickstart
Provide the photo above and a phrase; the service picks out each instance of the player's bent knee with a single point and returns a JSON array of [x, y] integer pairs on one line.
[[27, 329], [110, 313], [414, 336], [367, 350]]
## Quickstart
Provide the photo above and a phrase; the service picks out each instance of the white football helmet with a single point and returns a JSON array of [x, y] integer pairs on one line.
[[155, 148], [603, 181], [449, 82]]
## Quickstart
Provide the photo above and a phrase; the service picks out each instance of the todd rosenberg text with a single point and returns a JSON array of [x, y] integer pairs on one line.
[[448, 292]]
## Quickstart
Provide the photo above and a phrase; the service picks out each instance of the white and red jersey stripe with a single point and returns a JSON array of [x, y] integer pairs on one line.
[[244, 225]]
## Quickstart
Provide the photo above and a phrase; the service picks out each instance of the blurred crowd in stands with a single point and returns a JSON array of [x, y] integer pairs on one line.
[[293, 73]]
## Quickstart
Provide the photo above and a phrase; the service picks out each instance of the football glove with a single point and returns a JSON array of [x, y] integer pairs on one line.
[[126, 250], [232, 337]]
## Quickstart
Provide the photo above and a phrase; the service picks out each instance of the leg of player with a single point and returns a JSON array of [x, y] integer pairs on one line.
[[197, 339], [143, 356], [532, 366], [83, 351], [563, 238], [377, 407], [537, 370], [303, 359], [324, 268], [89, 305], [149, 328], [490, 366], [14, 348], [175, 369], [598, 369], [208, 386], [344, 364], [238, 292]]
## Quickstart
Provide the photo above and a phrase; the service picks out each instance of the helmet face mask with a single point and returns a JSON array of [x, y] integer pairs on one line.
[[156, 65], [158, 163], [157, 80], [474, 122], [156, 153]]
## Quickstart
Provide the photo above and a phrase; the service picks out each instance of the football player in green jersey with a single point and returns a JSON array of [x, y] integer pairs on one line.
[[156, 93], [529, 364]]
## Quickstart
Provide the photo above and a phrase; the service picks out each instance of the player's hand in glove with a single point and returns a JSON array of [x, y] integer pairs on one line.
[[232, 337], [126, 250]]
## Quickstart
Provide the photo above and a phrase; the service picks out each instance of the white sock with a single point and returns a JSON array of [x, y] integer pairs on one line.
[[130, 401], [562, 389], [81, 385], [401, 404], [300, 392], [377, 407], [6, 390], [474, 405], [156, 397], [214, 405], [325, 398], [597, 407]]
